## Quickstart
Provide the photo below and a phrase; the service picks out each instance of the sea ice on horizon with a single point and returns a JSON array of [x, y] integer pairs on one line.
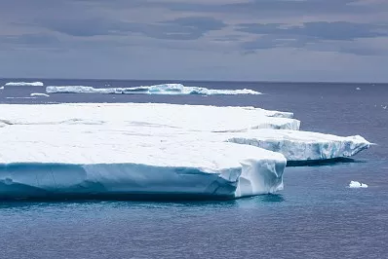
[[39, 95], [24, 84], [162, 89]]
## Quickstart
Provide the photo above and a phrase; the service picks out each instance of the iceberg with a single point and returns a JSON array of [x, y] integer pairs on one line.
[[129, 149], [299, 146], [355, 184], [24, 84], [71, 161], [162, 89]]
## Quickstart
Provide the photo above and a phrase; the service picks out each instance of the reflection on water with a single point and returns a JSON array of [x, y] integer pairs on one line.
[[250, 201]]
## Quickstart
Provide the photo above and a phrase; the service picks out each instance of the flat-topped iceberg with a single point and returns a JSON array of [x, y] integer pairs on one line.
[[89, 150], [51, 161], [162, 89]]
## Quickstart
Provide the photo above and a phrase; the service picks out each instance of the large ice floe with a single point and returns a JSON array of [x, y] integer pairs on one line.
[[157, 150], [162, 89]]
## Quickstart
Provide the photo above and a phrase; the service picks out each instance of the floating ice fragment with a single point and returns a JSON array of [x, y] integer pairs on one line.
[[355, 184]]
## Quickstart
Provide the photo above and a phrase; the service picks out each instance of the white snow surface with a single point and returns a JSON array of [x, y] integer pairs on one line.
[[162, 89], [24, 84], [184, 117], [355, 185]]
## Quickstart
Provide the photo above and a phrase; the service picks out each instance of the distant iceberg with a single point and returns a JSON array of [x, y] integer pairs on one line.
[[24, 84], [162, 89], [39, 95]]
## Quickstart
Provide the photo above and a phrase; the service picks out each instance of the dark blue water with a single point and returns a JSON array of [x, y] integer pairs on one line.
[[315, 216]]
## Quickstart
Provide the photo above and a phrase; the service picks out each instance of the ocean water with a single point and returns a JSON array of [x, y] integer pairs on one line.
[[315, 216]]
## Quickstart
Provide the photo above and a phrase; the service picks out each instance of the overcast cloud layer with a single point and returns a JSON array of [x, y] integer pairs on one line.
[[260, 40]]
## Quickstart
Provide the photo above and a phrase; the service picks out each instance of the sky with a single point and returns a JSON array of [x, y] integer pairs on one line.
[[239, 40]]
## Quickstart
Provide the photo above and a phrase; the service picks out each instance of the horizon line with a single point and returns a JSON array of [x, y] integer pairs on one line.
[[197, 80]]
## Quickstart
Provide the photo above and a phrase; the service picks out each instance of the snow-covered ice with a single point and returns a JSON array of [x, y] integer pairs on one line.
[[162, 89], [355, 184], [24, 84]]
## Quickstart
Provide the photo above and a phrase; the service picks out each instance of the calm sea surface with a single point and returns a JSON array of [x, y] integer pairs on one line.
[[315, 216]]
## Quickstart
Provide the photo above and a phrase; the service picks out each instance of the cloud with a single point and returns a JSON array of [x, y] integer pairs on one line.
[[319, 30], [198, 39], [187, 28], [271, 7], [312, 35]]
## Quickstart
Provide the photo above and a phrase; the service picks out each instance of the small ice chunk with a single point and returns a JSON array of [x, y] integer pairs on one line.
[[355, 184]]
